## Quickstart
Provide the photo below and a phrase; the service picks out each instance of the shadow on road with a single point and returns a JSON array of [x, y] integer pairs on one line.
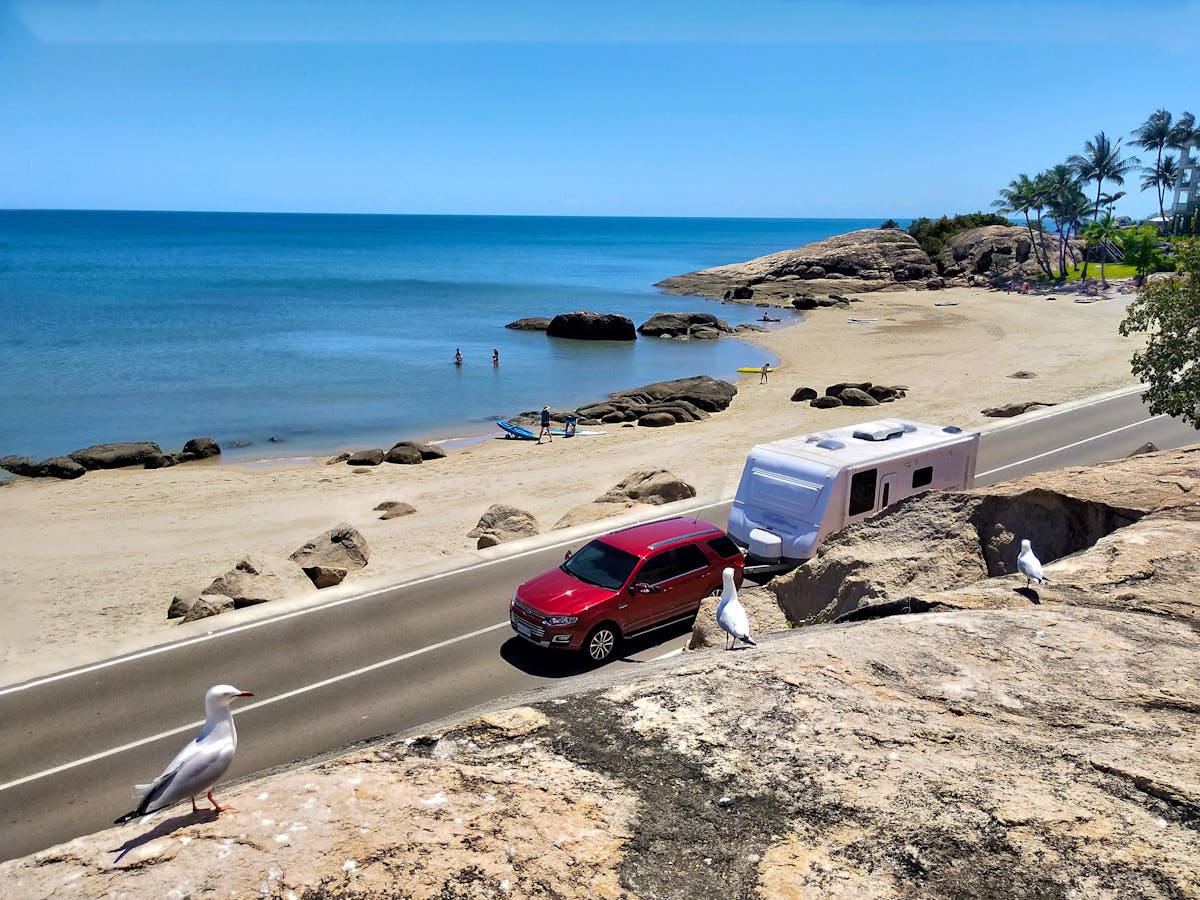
[[542, 662]]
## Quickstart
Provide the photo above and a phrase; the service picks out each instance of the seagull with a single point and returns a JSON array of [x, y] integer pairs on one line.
[[731, 615], [199, 765], [1029, 565]]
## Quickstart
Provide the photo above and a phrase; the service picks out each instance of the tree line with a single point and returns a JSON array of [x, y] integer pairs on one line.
[[1058, 195]]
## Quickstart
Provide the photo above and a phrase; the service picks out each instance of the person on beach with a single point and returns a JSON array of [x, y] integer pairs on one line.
[[457, 357], [495, 357], [545, 425], [766, 368], [1024, 287]]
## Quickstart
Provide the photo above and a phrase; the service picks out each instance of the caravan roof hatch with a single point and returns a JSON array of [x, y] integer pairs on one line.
[[881, 430]]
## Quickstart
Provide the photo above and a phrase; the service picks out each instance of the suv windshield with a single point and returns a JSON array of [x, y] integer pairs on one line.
[[598, 563]]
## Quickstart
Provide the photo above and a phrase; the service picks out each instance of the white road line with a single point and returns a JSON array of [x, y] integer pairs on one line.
[[192, 726], [676, 652], [1086, 440]]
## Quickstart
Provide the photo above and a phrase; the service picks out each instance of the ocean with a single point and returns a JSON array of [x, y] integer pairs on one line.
[[287, 335]]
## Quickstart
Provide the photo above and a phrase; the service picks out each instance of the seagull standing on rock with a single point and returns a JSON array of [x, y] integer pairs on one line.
[[200, 764], [1029, 565], [731, 615]]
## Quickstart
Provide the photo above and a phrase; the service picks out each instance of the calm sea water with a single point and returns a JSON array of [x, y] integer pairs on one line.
[[337, 331]]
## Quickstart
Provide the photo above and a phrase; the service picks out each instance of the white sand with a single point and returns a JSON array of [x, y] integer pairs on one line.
[[92, 564]]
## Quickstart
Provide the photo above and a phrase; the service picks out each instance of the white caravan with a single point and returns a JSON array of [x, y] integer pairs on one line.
[[797, 491]]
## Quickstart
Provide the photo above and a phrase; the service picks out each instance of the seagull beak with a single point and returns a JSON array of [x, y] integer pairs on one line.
[[246, 694]]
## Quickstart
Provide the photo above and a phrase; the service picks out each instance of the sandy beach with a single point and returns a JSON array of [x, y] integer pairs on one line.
[[91, 565]]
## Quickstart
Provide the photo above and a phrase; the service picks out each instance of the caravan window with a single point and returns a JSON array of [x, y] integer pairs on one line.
[[862, 492], [922, 477]]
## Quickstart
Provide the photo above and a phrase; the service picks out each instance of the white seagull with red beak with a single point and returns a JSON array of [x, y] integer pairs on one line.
[[200, 764]]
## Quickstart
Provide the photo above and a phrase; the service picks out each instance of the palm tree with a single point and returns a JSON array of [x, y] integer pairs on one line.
[[1157, 133], [1101, 161], [1101, 233], [1060, 186], [1161, 177], [1022, 195]]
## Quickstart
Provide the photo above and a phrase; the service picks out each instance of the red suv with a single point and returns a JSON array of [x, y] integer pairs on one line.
[[623, 584]]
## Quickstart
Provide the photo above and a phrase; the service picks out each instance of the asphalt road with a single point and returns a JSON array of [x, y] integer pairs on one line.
[[74, 744]]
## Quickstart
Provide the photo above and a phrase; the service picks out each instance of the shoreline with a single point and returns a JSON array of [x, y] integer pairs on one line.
[[94, 562]]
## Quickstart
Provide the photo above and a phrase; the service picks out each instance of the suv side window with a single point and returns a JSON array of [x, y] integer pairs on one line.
[[723, 547], [672, 563], [862, 492]]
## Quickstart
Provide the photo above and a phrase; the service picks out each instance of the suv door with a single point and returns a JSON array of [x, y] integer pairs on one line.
[[676, 578]]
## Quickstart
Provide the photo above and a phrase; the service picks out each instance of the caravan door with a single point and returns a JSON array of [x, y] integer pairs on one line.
[[887, 490]]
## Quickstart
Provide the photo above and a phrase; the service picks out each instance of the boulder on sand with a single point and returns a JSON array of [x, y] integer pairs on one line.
[[258, 579], [341, 547], [502, 523], [647, 487], [118, 456]]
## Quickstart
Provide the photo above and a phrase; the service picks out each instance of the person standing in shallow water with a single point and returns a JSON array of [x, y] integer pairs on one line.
[[457, 356], [495, 357], [545, 425]]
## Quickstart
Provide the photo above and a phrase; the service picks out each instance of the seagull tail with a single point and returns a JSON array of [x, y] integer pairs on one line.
[[748, 640], [139, 795], [132, 814]]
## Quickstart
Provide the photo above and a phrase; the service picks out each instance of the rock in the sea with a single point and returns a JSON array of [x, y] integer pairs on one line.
[[199, 448], [258, 579], [341, 547], [683, 325], [117, 456], [533, 323], [372, 457], [501, 523], [585, 325], [394, 509]]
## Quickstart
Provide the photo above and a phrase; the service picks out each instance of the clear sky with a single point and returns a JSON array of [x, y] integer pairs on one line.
[[622, 107]]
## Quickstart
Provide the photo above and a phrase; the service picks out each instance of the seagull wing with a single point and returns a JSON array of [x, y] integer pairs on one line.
[[733, 619], [196, 768], [1030, 566]]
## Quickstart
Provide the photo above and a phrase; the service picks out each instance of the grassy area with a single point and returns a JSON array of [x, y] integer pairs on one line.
[[1111, 271]]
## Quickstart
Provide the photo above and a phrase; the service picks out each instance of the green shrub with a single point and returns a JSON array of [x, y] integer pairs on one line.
[[932, 234]]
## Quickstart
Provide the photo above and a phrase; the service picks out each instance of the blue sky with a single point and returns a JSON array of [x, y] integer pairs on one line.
[[626, 107]]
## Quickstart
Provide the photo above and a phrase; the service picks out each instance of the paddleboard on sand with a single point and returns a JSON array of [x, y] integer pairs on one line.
[[520, 433]]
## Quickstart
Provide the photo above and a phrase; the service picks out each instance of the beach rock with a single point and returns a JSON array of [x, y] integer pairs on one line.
[[1021, 373], [182, 602], [338, 458], [427, 451], [887, 393], [341, 547], [207, 605], [403, 454], [705, 392], [502, 523], [199, 448], [60, 467], [656, 420], [258, 579], [19, 465], [835, 390], [644, 488], [749, 326], [394, 509], [701, 333], [825, 402], [866, 260], [803, 393], [117, 456], [761, 608], [584, 325], [1008, 410], [851, 396], [325, 576], [372, 457], [534, 323], [683, 325]]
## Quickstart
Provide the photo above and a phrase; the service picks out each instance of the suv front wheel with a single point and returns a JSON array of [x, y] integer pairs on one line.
[[601, 642]]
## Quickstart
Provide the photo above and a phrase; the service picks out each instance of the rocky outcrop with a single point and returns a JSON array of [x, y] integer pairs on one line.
[[110, 456], [584, 325], [329, 557], [1011, 746], [501, 523], [762, 610], [965, 536], [60, 467], [683, 325], [684, 400], [867, 260], [533, 323], [647, 487], [846, 393], [426, 450], [20, 465], [198, 448], [994, 255]]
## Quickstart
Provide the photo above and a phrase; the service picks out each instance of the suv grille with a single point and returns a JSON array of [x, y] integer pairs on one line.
[[528, 618]]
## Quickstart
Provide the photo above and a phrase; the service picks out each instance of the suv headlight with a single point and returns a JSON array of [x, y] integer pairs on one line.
[[559, 621]]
